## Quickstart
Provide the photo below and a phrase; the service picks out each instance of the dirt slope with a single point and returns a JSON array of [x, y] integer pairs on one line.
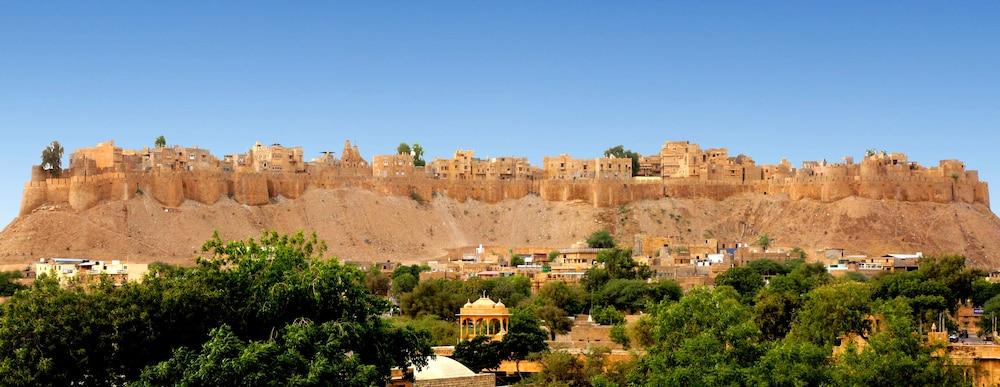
[[361, 225]]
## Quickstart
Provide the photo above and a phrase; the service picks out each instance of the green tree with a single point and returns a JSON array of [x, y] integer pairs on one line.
[[745, 280], [512, 290], [302, 353], [516, 260], [895, 356], [555, 320], [775, 306], [442, 332], [607, 315], [666, 289], [9, 284], [601, 239], [403, 149], [983, 290], [479, 353], [438, 297], [560, 368], [940, 284], [160, 142], [799, 253], [52, 158], [706, 338], [640, 332], [950, 271], [767, 267], [376, 281], [803, 278], [524, 337], [793, 363], [620, 264], [413, 270], [623, 294], [568, 297], [764, 241], [404, 283], [257, 296], [406, 277], [619, 335], [833, 310], [991, 309], [595, 278], [774, 312], [418, 156]]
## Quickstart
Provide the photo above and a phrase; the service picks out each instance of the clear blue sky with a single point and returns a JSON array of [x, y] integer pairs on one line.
[[796, 80]]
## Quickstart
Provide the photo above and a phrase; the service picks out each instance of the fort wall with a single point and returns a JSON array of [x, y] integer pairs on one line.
[[172, 188]]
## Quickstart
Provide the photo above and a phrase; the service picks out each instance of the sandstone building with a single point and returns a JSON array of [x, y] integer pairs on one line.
[[399, 165], [465, 166], [564, 167]]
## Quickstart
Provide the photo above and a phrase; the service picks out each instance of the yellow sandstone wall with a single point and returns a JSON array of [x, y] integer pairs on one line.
[[167, 189], [250, 189], [173, 188], [203, 187]]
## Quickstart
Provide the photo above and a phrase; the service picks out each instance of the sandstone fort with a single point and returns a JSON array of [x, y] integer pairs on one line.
[[171, 175]]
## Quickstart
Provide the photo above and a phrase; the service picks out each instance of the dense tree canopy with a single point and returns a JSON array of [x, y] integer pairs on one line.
[[9, 284], [273, 311], [570, 298], [706, 338], [444, 297], [744, 279], [601, 239], [377, 282], [524, 336], [833, 310], [254, 304], [479, 353]]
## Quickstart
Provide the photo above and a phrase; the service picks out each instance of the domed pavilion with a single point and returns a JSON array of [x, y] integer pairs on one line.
[[483, 318]]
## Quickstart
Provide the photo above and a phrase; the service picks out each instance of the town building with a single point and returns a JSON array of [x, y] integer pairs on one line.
[[576, 258], [397, 165], [274, 158], [84, 270], [103, 157], [465, 166], [565, 167], [178, 158]]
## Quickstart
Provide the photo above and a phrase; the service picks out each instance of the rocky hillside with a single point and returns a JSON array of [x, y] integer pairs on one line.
[[361, 225]]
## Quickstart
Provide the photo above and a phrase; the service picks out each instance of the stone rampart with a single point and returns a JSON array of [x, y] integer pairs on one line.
[[173, 188]]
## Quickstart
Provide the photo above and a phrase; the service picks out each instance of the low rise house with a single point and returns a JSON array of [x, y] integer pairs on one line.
[[83, 270], [577, 257]]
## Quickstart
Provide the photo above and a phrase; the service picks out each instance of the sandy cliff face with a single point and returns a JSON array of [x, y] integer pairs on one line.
[[359, 224]]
